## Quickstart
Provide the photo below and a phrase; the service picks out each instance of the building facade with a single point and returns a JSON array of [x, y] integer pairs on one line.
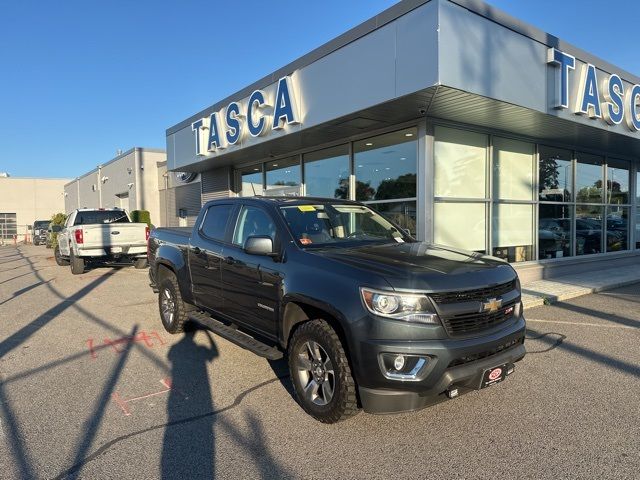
[[25, 200], [129, 181], [463, 124]]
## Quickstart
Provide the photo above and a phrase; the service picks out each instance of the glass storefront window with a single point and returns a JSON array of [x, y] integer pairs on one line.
[[555, 180], [385, 166], [250, 180], [617, 229], [512, 232], [588, 178], [283, 177], [512, 169], [589, 229], [326, 172], [402, 213], [638, 230], [554, 231], [460, 224], [460, 163], [617, 182]]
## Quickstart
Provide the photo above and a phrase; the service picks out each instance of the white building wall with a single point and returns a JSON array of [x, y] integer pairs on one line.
[[32, 199]]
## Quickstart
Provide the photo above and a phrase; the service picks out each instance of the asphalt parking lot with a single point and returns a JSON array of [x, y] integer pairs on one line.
[[92, 387]]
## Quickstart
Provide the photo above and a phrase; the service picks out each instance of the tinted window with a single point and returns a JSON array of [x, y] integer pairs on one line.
[[215, 221], [385, 166], [101, 216], [556, 180], [252, 222]]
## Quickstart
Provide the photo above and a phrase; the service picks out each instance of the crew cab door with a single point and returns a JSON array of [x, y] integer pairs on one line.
[[63, 235], [251, 283], [205, 254]]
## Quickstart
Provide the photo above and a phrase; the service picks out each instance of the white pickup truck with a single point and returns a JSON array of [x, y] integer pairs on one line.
[[101, 236]]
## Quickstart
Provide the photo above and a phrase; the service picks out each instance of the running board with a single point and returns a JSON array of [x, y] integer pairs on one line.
[[237, 337]]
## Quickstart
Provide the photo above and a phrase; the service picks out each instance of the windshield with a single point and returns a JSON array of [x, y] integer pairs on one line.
[[41, 224], [326, 224], [100, 216]]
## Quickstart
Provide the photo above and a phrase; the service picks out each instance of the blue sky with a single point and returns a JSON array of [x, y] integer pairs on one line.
[[81, 79]]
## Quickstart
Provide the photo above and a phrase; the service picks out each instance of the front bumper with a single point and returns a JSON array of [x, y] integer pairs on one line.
[[451, 364]]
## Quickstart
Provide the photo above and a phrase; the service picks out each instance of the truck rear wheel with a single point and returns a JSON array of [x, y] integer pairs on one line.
[[77, 264], [60, 260], [320, 372], [174, 312]]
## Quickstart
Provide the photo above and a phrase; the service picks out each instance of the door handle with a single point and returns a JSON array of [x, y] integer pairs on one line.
[[230, 260], [196, 250]]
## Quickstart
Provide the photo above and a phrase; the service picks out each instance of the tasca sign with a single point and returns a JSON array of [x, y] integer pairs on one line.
[[606, 98], [259, 116]]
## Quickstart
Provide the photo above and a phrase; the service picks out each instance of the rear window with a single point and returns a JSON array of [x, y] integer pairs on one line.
[[100, 217], [215, 221]]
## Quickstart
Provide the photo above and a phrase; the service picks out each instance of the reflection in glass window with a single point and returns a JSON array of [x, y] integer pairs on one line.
[[283, 177], [617, 182], [460, 163], [385, 166], [555, 178], [401, 213], [512, 169], [554, 231], [588, 229], [461, 225], [513, 232], [326, 173], [588, 178], [250, 180], [638, 230], [617, 228]]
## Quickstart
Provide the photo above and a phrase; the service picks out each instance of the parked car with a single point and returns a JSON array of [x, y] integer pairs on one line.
[[367, 315], [92, 236], [39, 232]]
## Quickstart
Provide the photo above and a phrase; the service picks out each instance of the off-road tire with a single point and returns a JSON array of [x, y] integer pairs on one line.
[[344, 403], [36, 243], [77, 264], [60, 260], [181, 309], [141, 263]]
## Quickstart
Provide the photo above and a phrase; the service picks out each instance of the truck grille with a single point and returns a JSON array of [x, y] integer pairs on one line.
[[486, 354], [467, 323], [478, 295]]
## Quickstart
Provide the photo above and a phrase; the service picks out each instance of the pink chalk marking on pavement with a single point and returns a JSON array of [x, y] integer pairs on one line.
[[123, 403], [119, 343]]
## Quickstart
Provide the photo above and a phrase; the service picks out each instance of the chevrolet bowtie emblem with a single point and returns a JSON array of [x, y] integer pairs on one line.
[[491, 305]]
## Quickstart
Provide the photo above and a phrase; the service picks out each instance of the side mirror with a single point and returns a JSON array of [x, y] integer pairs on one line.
[[259, 245], [56, 228]]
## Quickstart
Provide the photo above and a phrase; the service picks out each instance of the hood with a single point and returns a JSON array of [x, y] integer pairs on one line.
[[424, 266]]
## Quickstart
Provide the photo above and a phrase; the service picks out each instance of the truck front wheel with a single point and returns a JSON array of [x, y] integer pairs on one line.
[[77, 264], [320, 372], [60, 260], [174, 312]]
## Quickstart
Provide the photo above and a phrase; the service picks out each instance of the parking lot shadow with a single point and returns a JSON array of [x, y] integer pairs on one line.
[[188, 448]]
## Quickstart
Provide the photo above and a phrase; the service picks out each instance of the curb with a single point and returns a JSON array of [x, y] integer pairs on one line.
[[537, 301]]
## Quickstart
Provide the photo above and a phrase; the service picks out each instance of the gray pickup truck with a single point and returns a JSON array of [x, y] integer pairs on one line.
[[366, 315]]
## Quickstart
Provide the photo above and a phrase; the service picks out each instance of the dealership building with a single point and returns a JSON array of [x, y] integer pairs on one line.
[[466, 126]]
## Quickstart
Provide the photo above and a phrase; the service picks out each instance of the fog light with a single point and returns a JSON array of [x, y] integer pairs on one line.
[[398, 363]]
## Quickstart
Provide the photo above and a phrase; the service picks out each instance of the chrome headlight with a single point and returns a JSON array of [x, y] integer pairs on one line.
[[410, 307]]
